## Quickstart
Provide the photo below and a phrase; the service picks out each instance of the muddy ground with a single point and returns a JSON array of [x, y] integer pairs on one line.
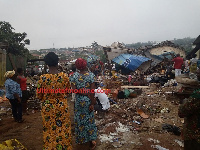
[[29, 133]]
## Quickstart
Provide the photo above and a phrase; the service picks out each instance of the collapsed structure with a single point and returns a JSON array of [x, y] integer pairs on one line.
[[157, 53]]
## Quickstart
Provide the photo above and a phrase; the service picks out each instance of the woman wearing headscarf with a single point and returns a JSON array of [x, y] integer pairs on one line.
[[85, 128], [55, 113], [14, 94]]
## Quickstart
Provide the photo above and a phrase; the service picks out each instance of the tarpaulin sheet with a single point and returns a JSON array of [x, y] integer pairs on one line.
[[129, 61]]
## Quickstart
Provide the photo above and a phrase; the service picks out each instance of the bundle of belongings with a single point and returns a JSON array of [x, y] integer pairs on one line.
[[102, 100]]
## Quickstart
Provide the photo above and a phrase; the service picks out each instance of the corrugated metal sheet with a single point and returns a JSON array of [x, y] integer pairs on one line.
[[129, 61], [2, 66]]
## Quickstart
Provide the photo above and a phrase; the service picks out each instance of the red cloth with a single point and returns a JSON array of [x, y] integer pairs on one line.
[[81, 64], [71, 73], [23, 85], [178, 61], [101, 63]]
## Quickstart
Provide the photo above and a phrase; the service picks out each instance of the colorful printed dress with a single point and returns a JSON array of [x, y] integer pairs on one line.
[[55, 113], [85, 128]]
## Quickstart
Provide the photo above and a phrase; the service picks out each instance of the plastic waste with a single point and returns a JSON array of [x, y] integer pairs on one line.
[[136, 122], [179, 143], [126, 93], [112, 101], [153, 140], [159, 147]]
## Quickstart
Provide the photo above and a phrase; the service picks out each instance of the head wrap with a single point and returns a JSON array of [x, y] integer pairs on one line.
[[51, 59], [9, 74], [81, 64]]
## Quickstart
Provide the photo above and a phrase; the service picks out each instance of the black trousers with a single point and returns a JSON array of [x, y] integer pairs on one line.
[[16, 109], [98, 106], [191, 145]]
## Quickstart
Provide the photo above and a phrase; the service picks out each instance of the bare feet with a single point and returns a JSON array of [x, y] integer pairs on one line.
[[93, 144]]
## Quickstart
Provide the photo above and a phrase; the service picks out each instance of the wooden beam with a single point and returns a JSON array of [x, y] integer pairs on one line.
[[132, 87]]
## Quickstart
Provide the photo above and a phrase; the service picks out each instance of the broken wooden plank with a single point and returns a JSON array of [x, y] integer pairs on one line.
[[132, 87]]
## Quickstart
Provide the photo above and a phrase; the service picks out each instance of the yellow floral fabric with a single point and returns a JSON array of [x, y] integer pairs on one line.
[[55, 114]]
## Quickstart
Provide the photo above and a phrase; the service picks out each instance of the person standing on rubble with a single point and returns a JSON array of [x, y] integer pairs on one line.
[[169, 69], [14, 94], [85, 128], [190, 110], [178, 62], [22, 80], [55, 112]]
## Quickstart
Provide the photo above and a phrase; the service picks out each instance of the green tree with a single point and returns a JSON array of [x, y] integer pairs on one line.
[[94, 46], [101, 55], [15, 41]]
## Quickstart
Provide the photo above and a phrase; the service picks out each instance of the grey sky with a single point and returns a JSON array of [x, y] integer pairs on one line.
[[68, 23]]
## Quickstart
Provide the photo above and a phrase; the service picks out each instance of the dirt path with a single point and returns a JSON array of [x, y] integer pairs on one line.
[[29, 133]]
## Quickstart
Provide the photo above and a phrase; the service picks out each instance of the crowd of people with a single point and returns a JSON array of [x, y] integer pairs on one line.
[[55, 111]]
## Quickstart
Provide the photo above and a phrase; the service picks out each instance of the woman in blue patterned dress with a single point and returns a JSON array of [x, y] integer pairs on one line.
[[85, 128]]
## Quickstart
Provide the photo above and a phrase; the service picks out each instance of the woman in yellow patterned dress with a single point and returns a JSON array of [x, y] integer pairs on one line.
[[55, 113]]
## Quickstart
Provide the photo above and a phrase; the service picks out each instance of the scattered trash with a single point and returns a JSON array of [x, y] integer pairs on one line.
[[170, 128], [158, 120], [153, 140], [136, 122], [142, 114], [179, 143], [116, 144], [159, 147], [165, 110], [122, 128], [106, 138], [112, 101], [27, 127], [115, 105], [113, 134], [3, 111]]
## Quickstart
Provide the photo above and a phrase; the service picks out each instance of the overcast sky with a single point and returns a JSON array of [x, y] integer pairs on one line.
[[68, 23]]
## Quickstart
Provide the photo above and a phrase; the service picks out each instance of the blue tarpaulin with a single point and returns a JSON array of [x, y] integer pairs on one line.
[[91, 58], [129, 61], [167, 55]]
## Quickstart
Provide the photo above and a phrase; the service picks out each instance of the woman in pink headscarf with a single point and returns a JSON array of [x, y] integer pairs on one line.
[[85, 128]]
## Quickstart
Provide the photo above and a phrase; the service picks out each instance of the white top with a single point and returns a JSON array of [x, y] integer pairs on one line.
[[103, 98]]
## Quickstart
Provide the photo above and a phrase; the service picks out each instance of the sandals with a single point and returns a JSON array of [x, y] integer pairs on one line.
[[93, 145]]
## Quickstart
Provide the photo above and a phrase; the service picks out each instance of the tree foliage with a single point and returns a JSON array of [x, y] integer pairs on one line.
[[186, 43], [15, 41], [94, 44], [101, 54]]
